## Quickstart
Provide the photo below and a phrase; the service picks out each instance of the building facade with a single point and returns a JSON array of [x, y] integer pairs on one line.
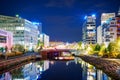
[[39, 26], [6, 39], [89, 30], [24, 31], [110, 31], [106, 16], [99, 34], [45, 39], [118, 23], [110, 27]]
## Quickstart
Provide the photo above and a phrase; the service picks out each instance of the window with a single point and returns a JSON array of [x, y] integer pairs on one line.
[[111, 29], [2, 39], [111, 33], [112, 22]]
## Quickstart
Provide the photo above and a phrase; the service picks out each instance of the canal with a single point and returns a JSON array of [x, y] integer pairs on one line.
[[75, 69]]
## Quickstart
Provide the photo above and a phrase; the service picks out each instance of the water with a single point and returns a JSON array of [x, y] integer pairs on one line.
[[52, 70]]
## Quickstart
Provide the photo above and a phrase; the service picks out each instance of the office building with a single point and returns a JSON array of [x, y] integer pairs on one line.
[[24, 31], [89, 30], [108, 27], [109, 31]]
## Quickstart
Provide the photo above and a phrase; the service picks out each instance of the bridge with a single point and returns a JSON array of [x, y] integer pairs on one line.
[[57, 54]]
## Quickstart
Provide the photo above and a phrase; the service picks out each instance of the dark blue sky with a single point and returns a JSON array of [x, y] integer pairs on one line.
[[61, 19]]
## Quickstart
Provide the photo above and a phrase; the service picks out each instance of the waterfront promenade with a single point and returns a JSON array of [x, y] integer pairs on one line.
[[16, 60]]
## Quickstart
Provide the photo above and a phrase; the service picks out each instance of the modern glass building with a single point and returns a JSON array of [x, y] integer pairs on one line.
[[89, 30], [24, 31]]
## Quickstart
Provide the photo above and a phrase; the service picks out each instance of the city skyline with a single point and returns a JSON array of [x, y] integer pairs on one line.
[[62, 20]]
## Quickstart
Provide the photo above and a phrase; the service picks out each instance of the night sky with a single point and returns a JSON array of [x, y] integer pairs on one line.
[[62, 20]]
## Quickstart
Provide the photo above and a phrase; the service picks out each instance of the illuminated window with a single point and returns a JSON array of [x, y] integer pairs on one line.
[[2, 39]]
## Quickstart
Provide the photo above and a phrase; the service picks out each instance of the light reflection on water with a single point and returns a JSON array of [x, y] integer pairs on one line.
[[53, 70]]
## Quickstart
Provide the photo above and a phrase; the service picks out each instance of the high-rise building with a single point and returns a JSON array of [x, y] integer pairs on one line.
[[110, 31], [99, 34], [89, 30], [110, 24], [24, 31], [106, 20]]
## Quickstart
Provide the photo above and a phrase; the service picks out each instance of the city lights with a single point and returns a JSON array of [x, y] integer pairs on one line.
[[60, 40], [85, 17], [93, 15], [36, 23]]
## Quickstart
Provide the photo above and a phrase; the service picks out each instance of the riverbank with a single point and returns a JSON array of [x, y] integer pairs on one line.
[[7, 63], [109, 66]]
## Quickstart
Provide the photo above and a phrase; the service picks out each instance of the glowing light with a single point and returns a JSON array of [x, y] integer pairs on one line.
[[85, 17], [93, 15], [36, 23], [103, 14], [17, 15]]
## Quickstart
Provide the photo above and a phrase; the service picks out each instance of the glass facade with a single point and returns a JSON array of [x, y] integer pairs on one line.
[[89, 30], [24, 31]]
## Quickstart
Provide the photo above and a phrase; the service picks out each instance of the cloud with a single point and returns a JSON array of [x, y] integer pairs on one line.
[[60, 3]]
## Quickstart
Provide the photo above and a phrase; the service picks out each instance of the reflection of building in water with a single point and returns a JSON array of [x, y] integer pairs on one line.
[[89, 72], [84, 70], [68, 62], [52, 62], [96, 74], [6, 76], [42, 66], [46, 65], [30, 71]]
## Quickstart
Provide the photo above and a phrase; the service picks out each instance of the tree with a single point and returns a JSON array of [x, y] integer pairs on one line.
[[97, 47], [112, 49], [18, 47], [80, 44], [39, 44], [102, 50]]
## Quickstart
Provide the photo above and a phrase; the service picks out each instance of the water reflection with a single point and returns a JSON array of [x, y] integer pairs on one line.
[[6, 76], [91, 73], [55, 70]]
